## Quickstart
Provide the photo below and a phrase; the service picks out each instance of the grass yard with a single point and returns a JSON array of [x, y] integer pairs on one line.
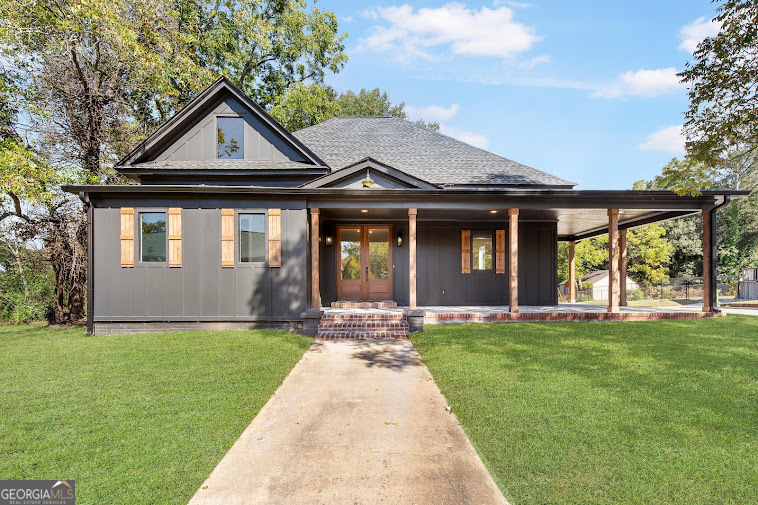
[[137, 418], [659, 412]]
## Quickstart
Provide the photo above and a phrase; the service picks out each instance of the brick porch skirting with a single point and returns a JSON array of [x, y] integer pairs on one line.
[[473, 317]]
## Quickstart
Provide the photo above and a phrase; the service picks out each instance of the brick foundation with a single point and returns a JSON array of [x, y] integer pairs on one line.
[[473, 317]]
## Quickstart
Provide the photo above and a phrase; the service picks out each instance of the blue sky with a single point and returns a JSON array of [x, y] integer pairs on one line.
[[585, 90]]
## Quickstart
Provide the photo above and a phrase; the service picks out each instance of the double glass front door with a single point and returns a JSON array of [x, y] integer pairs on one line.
[[364, 263]]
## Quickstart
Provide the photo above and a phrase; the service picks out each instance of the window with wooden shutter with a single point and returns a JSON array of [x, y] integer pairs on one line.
[[500, 251], [127, 237], [227, 238], [274, 237], [466, 251], [174, 237]]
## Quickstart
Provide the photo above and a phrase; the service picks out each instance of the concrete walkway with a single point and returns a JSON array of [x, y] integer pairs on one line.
[[355, 422]]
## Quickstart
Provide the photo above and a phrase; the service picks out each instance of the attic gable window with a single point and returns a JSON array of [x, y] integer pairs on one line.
[[230, 134]]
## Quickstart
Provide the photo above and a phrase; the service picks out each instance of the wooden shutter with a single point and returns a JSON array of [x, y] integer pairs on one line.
[[465, 251], [227, 238], [274, 237], [499, 251], [127, 237], [174, 237]]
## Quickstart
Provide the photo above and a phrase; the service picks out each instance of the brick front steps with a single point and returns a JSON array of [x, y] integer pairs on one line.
[[387, 304], [361, 325]]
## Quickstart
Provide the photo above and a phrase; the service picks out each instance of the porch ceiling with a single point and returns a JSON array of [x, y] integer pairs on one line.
[[572, 223]]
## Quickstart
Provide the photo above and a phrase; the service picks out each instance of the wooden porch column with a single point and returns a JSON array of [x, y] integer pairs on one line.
[[513, 258], [412, 257], [572, 272], [613, 260], [708, 286], [622, 268], [315, 286]]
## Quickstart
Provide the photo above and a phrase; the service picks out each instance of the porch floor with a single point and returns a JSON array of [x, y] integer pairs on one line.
[[561, 312]]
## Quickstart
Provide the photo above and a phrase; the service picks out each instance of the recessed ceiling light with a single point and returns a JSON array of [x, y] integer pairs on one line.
[[493, 211], [364, 210]]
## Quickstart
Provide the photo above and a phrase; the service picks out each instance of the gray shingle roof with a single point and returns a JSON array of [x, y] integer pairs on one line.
[[223, 165], [420, 152]]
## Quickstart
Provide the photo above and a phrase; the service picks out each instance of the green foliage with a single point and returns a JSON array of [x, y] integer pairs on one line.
[[26, 280], [263, 46], [649, 254], [305, 105], [723, 86]]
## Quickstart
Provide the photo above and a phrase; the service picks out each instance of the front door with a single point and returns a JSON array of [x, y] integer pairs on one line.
[[364, 262]]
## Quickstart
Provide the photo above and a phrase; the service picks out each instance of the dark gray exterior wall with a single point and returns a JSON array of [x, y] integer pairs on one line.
[[199, 141], [439, 278], [200, 290]]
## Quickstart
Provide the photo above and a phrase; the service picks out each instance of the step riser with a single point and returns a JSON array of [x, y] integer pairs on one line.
[[363, 335], [355, 328], [364, 305], [361, 317]]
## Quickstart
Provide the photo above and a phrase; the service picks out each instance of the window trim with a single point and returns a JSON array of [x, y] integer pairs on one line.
[[238, 242], [231, 116], [493, 253], [138, 230]]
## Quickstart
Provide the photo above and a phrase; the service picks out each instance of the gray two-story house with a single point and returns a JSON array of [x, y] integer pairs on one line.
[[237, 221]]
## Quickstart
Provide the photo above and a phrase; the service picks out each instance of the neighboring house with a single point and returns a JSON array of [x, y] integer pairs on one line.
[[237, 220], [598, 279]]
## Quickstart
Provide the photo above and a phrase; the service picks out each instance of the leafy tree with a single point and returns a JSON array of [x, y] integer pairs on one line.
[[723, 86], [648, 254], [263, 46], [302, 106]]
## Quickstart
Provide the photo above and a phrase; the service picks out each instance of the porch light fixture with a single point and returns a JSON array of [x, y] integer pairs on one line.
[[400, 240], [328, 240], [368, 181]]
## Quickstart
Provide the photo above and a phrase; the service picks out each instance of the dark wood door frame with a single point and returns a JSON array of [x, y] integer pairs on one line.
[[363, 288]]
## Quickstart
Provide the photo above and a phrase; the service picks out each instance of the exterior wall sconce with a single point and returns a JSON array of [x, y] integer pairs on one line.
[[400, 240], [328, 240]]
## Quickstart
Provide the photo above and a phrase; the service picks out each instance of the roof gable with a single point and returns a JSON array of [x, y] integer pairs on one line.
[[384, 177], [190, 135], [422, 153]]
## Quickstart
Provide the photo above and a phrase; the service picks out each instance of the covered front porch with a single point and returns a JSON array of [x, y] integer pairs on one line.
[[493, 255]]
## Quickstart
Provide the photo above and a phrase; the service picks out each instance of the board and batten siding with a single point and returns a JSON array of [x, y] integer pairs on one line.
[[199, 290], [200, 141], [440, 277]]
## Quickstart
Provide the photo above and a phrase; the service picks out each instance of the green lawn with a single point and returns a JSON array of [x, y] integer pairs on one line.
[[137, 418], [660, 412]]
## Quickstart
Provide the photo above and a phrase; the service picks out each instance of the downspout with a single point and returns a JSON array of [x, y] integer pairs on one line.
[[713, 253], [84, 197]]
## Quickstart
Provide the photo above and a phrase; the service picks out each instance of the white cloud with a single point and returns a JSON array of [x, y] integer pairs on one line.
[[429, 32], [440, 114], [432, 112], [667, 140], [696, 31], [648, 83], [472, 138], [537, 60]]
